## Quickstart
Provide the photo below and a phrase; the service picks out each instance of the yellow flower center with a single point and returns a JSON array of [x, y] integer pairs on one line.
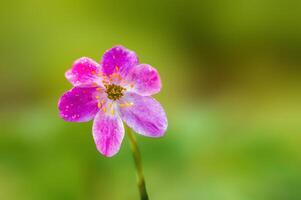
[[114, 92]]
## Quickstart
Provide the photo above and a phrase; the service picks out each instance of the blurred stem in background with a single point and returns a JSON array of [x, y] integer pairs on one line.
[[138, 165]]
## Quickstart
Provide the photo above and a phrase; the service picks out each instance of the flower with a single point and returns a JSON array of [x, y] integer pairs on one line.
[[119, 88]]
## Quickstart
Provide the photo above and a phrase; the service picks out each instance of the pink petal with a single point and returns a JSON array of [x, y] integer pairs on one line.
[[119, 57], [78, 104], [146, 80], [108, 132], [83, 72], [145, 116]]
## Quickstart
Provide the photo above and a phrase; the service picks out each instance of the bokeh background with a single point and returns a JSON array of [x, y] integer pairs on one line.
[[231, 89]]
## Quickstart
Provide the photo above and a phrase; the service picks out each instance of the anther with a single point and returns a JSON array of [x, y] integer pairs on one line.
[[119, 77], [126, 104]]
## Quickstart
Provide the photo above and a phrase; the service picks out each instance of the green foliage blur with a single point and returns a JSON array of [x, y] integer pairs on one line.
[[231, 78]]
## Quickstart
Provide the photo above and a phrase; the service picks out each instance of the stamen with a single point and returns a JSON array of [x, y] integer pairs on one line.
[[112, 111], [116, 68], [104, 109], [98, 89], [99, 105], [93, 72], [126, 104], [119, 77], [97, 97], [105, 81]]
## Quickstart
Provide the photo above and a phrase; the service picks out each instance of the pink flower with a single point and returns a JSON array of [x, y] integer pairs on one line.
[[119, 88]]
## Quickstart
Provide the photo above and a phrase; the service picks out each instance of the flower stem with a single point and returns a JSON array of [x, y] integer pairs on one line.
[[138, 165]]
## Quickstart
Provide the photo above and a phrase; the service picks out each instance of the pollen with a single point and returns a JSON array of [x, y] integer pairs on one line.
[[126, 104], [119, 77], [114, 92]]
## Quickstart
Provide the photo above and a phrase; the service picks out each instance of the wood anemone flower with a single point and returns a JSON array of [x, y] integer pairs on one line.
[[116, 89]]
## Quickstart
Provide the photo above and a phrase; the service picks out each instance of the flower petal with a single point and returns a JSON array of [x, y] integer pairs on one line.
[[78, 104], [146, 80], [83, 72], [118, 59], [108, 133], [143, 114]]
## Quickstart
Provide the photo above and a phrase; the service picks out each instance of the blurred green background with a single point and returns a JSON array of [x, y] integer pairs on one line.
[[231, 89]]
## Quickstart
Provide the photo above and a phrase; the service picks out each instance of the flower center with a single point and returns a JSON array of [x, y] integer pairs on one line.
[[114, 92]]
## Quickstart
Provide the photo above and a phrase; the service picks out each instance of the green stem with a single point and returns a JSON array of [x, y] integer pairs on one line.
[[138, 165]]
